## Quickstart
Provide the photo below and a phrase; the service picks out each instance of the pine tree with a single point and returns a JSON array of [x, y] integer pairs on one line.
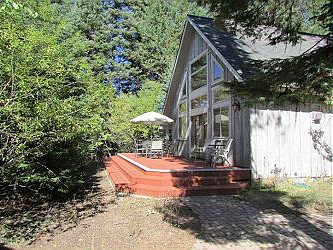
[[301, 79], [108, 26], [160, 25]]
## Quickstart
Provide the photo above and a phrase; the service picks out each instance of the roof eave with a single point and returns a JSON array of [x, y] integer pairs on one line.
[[225, 62], [175, 63]]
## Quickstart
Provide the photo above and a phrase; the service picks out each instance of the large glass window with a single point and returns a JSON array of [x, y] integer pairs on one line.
[[182, 127], [220, 94], [221, 122], [184, 89], [199, 73], [199, 130], [183, 107], [217, 71], [199, 102], [199, 79], [198, 64]]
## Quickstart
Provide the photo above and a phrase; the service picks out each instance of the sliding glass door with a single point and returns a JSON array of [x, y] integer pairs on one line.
[[199, 130]]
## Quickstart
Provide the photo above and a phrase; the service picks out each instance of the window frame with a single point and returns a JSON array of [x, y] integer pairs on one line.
[[221, 106], [198, 57], [222, 78], [179, 126]]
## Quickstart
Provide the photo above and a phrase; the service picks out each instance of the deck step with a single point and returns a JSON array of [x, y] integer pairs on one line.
[[231, 175], [127, 177], [190, 191], [119, 181], [137, 176]]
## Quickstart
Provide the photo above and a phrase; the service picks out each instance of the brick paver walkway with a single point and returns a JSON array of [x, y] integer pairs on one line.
[[230, 222]]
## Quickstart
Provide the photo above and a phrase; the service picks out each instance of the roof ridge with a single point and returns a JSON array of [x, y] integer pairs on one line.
[[299, 32], [205, 17]]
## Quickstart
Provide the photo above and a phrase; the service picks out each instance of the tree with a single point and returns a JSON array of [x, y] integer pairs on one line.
[[112, 35], [311, 80], [52, 103], [160, 25]]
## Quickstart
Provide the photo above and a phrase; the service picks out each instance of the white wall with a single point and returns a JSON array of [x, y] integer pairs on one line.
[[288, 140]]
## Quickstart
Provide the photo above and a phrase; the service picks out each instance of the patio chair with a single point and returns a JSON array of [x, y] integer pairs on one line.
[[222, 151], [196, 152], [156, 148], [141, 148], [171, 148], [203, 153]]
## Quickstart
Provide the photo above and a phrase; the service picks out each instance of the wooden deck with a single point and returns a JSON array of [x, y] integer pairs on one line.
[[173, 176]]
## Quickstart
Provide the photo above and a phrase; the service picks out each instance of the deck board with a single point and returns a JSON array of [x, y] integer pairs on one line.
[[169, 163]]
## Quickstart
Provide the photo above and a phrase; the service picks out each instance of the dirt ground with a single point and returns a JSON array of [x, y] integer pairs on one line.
[[128, 223], [199, 223]]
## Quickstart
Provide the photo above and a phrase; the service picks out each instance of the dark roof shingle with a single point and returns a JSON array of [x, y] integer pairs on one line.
[[244, 52]]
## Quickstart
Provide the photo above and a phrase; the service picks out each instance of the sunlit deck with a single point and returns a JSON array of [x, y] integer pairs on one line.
[[170, 163], [173, 176]]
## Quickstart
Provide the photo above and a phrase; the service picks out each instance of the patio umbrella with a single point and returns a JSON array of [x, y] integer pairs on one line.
[[152, 118]]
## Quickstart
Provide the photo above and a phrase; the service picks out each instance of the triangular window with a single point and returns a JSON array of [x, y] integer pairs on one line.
[[217, 71], [184, 89]]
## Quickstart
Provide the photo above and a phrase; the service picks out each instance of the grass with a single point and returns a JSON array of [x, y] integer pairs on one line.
[[304, 195]]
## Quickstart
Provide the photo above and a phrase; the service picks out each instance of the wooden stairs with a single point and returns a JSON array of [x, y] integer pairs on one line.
[[131, 178]]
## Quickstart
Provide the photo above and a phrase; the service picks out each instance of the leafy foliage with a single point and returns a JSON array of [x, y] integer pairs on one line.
[[59, 61], [303, 79], [52, 105], [307, 78], [111, 32], [128, 106], [159, 25]]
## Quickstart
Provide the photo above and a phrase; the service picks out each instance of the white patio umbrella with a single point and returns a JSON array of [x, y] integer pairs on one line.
[[152, 118]]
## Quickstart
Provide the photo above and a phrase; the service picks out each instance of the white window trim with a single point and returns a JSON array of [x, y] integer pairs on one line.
[[204, 53], [220, 105], [179, 112], [198, 111], [214, 88], [198, 92], [214, 60], [205, 66], [199, 56]]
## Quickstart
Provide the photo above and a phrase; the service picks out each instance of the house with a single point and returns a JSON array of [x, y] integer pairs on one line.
[[287, 141]]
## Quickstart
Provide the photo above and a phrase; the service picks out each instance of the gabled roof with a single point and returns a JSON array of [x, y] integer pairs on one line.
[[243, 52], [239, 53]]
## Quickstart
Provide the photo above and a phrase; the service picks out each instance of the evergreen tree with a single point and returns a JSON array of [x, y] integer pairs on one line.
[[306, 78], [160, 25], [108, 26]]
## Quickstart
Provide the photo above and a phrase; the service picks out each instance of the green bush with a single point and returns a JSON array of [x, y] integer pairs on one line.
[[53, 107]]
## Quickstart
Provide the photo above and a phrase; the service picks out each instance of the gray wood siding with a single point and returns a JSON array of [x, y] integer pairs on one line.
[[265, 138], [288, 142], [240, 126], [198, 45]]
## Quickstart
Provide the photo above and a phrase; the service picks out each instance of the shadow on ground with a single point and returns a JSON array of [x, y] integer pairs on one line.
[[24, 217], [232, 220]]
